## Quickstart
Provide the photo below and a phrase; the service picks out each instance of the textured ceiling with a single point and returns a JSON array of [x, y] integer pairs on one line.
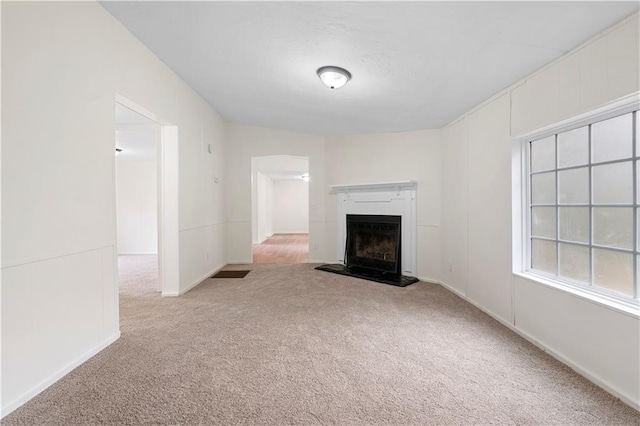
[[415, 65]]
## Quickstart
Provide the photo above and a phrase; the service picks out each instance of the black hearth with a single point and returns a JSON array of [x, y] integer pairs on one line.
[[373, 250]]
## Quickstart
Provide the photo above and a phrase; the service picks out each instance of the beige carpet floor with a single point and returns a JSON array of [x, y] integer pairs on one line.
[[138, 274], [291, 345]]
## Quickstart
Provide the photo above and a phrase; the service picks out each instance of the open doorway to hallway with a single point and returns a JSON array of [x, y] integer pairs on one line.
[[137, 143], [280, 209]]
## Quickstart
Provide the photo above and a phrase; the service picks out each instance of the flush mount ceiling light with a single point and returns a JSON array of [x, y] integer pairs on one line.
[[334, 77]]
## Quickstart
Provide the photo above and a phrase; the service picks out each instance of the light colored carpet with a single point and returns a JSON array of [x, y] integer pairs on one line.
[[291, 345], [138, 274]]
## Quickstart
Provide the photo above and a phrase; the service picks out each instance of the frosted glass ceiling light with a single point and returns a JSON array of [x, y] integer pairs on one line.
[[334, 77]]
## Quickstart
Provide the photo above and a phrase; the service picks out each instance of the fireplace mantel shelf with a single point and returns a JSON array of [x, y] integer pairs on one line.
[[399, 185]]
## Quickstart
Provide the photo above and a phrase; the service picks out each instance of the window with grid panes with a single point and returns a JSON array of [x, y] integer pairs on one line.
[[583, 218]]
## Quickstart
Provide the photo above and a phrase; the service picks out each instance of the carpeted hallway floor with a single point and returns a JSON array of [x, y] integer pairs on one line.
[[292, 345], [138, 274]]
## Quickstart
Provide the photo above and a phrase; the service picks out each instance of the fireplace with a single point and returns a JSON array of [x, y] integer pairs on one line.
[[374, 244], [376, 232]]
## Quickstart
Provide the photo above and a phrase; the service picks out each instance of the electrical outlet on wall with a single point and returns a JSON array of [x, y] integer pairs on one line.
[[449, 266], [314, 245]]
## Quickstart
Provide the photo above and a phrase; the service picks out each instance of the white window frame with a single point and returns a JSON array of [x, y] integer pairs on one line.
[[522, 211]]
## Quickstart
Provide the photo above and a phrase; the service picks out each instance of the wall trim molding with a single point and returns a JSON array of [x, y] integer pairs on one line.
[[207, 225], [593, 378], [201, 280], [239, 262], [429, 280], [12, 406], [44, 258]]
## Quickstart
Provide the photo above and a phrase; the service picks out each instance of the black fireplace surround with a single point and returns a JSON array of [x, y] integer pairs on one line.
[[373, 243], [373, 250]]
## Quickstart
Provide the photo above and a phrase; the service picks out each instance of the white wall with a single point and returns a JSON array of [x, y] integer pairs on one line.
[[268, 210], [290, 206], [137, 204], [63, 64], [385, 158], [264, 208], [245, 142], [476, 240]]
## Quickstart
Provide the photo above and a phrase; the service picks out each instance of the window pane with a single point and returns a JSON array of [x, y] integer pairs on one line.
[[543, 256], [613, 226], [613, 183], [638, 179], [573, 147], [574, 262], [543, 188], [574, 224], [611, 139], [543, 222], [543, 154], [613, 270], [574, 186]]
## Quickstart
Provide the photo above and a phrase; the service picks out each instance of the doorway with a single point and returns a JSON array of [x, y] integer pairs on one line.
[[137, 141], [145, 201], [280, 209]]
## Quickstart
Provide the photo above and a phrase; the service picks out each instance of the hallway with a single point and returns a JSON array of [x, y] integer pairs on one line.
[[282, 248]]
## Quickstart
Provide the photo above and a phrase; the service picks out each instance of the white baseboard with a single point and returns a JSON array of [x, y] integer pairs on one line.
[[482, 308], [568, 362], [239, 262], [584, 373], [200, 280], [13, 405]]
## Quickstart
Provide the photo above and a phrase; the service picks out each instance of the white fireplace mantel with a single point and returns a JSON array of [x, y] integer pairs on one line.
[[382, 186], [385, 198]]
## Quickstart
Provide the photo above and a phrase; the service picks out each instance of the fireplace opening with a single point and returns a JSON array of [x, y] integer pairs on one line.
[[373, 244]]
